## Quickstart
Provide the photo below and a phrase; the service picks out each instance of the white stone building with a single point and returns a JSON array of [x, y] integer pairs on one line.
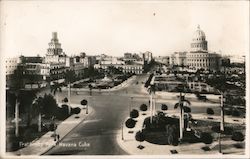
[[198, 57]]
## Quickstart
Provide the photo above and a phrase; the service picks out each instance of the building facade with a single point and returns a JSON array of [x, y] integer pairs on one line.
[[199, 57]]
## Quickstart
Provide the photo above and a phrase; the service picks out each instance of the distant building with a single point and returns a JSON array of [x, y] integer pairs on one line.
[[11, 64], [55, 53], [55, 59], [163, 60], [179, 58], [147, 57], [237, 59], [134, 68], [198, 57]]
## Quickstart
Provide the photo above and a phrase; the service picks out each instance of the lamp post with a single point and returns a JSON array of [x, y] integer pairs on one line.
[[87, 106], [122, 132], [131, 103], [222, 121]]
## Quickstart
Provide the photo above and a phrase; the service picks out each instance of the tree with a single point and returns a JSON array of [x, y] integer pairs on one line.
[[84, 102], [139, 136], [186, 109], [65, 100], [206, 138], [39, 106], [182, 102], [134, 113], [49, 104], [151, 91], [130, 123], [210, 111], [76, 110], [69, 78], [55, 88], [26, 99], [235, 113], [143, 107], [164, 107], [238, 136], [17, 83]]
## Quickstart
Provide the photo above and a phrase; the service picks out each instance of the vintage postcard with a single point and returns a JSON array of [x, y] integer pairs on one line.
[[147, 79]]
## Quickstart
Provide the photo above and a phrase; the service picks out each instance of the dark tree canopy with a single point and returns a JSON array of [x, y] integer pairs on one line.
[[210, 111], [143, 107], [139, 136], [164, 107], [134, 113], [130, 123], [84, 102]]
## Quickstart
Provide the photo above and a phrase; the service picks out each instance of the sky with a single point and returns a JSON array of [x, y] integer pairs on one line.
[[116, 27]]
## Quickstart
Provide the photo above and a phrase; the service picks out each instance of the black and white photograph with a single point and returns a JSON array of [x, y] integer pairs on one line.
[[147, 79]]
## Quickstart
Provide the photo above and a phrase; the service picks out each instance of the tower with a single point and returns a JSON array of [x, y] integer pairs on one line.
[[54, 46]]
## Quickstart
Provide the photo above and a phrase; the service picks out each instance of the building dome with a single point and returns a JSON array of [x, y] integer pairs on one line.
[[199, 43], [199, 35]]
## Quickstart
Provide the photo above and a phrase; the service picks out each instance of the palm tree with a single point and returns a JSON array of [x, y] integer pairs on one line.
[[38, 103], [182, 102], [56, 87], [69, 78], [17, 83], [151, 90]]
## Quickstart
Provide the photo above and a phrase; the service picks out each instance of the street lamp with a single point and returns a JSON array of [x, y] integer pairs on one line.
[[131, 102], [222, 120], [122, 132]]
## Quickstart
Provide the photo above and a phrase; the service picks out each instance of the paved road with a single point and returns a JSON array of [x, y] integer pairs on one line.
[[97, 134]]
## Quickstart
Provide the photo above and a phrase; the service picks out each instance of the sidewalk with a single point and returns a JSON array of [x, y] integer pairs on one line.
[[129, 144], [46, 142]]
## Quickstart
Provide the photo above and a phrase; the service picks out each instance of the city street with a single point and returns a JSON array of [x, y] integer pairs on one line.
[[99, 129]]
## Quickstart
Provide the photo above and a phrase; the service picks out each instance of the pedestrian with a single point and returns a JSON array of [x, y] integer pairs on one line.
[[58, 137]]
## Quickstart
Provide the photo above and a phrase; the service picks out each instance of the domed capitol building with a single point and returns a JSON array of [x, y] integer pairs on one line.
[[198, 57]]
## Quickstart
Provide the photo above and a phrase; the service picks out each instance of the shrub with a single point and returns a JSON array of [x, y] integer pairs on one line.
[[134, 113], [143, 107], [84, 102], [164, 107], [206, 138], [65, 100], [235, 113], [228, 112], [227, 130], [238, 136], [130, 123], [76, 110], [63, 112], [210, 111], [139, 136], [187, 109]]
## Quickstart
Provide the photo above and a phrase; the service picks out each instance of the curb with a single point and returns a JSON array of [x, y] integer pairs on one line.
[[92, 111]]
